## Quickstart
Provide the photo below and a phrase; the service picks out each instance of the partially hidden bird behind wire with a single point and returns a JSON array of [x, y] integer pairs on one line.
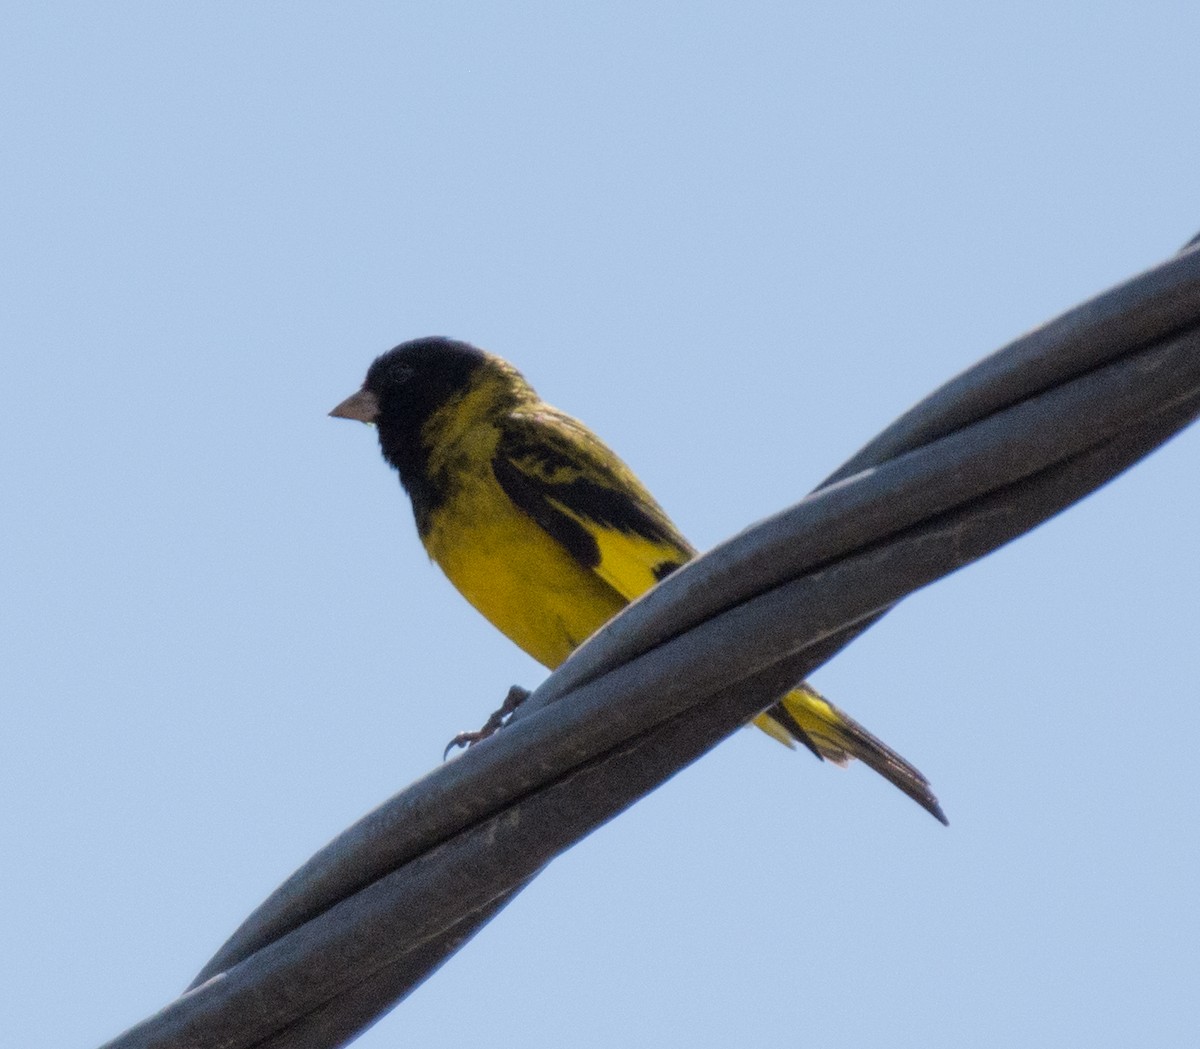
[[544, 529]]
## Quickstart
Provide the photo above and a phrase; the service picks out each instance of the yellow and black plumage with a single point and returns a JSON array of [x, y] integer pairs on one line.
[[542, 528]]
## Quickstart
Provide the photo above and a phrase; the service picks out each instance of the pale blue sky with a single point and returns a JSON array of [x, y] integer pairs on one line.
[[735, 239]]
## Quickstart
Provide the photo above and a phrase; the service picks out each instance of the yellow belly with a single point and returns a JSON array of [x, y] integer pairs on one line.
[[516, 575]]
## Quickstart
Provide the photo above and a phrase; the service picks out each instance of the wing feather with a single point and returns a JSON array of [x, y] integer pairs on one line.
[[566, 480]]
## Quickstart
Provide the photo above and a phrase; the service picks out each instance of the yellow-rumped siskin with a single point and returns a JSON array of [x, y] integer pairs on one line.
[[543, 529]]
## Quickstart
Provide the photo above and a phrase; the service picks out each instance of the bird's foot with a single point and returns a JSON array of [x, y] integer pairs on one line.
[[516, 696]]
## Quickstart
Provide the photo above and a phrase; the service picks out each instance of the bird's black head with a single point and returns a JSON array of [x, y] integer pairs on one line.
[[403, 389], [416, 378]]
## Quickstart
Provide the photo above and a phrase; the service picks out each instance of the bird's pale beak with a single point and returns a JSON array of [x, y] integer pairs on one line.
[[363, 406]]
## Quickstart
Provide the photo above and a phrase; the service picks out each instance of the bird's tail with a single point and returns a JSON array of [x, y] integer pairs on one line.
[[804, 715]]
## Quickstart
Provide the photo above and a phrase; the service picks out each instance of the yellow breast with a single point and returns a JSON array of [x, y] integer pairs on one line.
[[513, 572]]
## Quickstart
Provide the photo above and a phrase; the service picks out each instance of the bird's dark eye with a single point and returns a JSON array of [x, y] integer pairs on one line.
[[400, 372]]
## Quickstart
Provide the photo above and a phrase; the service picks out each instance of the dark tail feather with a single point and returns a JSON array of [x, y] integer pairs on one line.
[[833, 734]]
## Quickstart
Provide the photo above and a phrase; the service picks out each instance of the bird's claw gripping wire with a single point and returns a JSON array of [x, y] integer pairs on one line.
[[516, 696]]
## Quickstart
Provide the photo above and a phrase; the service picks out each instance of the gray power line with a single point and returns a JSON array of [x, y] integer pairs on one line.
[[1000, 448]]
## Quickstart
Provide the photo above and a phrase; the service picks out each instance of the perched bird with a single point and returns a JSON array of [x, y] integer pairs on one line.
[[543, 529]]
